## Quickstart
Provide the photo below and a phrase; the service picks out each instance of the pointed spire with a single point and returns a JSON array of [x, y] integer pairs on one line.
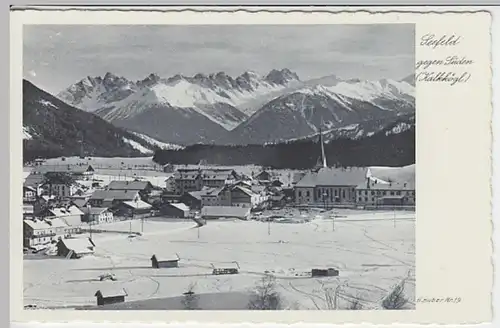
[[323, 156]]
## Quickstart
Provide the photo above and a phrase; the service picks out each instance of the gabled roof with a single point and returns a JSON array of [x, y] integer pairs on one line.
[[79, 245], [140, 204], [56, 223], [225, 211], [30, 188], [245, 190], [110, 292], [211, 192], [37, 224], [129, 185], [66, 211], [33, 180], [334, 177], [114, 194], [180, 206], [79, 202]]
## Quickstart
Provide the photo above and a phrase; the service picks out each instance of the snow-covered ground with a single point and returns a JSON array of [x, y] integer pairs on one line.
[[372, 250]]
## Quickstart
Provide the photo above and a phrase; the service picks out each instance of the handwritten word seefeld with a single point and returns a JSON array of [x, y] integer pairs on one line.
[[431, 40]]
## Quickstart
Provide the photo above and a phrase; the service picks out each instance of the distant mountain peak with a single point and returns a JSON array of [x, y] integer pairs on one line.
[[281, 76]]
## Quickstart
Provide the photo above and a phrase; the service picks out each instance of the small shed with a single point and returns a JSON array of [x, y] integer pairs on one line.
[[168, 263], [330, 272], [75, 248], [110, 297]]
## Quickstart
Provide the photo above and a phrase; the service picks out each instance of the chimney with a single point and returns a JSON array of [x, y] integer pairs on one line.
[[368, 183]]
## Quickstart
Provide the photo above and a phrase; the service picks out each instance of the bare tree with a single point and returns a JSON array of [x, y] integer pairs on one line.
[[355, 304], [396, 298], [265, 296], [190, 300], [331, 295]]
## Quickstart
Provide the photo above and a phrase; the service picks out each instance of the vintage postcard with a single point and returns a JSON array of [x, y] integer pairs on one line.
[[178, 161]]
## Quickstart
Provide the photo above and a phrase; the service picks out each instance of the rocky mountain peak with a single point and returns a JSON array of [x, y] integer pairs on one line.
[[282, 76]]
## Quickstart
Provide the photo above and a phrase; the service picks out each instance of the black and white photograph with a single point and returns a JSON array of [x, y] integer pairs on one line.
[[219, 167]]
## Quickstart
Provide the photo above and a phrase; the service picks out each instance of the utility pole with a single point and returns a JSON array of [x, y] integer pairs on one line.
[[89, 217], [269, 227], [333, 222], [394, 209]]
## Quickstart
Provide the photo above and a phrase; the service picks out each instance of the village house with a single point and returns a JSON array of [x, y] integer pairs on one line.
[[34, 181], [29, 194], [175, 210], [329, 186], [143, 187], [98, 215], [168, 168], [170, 184], [70, 214], [224, 212], [374, 192], [187, 180], [112, 198], [191, 199], [40, 232], [245, 197], [137, 209], [214, 197], [263, 176], [28, 211]]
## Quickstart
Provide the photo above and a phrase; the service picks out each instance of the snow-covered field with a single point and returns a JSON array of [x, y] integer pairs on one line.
[[372, 250]]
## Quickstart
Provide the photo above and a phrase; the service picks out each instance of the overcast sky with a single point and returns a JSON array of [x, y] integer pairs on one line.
[[56, 56]]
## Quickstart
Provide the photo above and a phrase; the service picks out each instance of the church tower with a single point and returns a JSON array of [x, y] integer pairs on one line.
[[321, 163]]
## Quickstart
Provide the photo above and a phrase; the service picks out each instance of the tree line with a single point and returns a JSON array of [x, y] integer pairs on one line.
[[377, 150]]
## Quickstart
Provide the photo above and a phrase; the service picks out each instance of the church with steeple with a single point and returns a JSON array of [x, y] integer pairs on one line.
[[328, 185]]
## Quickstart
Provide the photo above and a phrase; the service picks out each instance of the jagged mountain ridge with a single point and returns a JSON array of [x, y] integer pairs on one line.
[[203, 108], [303, 112], [52, 128]]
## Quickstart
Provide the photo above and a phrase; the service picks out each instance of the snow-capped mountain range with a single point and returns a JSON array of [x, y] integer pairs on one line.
[[247, 109]]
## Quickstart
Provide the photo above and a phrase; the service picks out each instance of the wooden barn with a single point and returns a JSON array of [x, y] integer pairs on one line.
[[169, 263], [75, 248], [110, 297], [330, 272]]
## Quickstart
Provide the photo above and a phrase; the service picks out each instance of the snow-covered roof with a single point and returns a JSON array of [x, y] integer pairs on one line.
[[56, 223], [388, 186], [79, 245], [181, 206], [37, 224], [63, 211], [225, 211], [245, 190], [352, 176], [111, 292], [128, 185], [140, 204], [114, 194]]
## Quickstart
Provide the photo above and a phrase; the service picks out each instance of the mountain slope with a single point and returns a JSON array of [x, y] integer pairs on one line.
[[303, 112], [52, 128]]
